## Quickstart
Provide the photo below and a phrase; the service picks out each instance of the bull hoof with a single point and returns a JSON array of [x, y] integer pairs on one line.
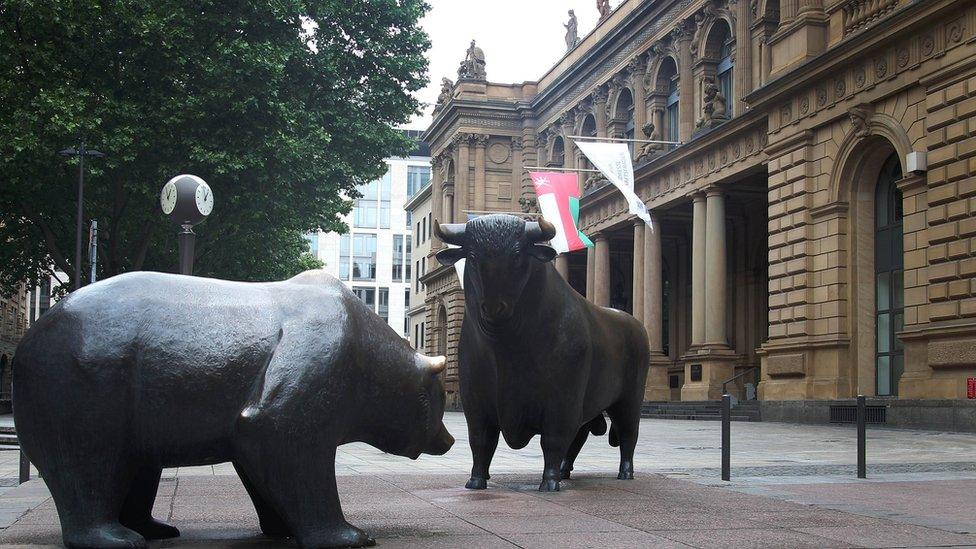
[[565, 473], [276, 530], [345, 536], [107, 536], [549, 485], [625, 475], [476, 483], [154, 529]]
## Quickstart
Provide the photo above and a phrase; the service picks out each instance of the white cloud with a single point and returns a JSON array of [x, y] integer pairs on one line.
[[521, 39]]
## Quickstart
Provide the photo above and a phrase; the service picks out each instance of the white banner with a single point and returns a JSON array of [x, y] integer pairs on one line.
[[613, 160]]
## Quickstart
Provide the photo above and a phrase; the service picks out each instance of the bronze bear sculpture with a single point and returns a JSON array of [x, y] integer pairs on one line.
[[535, 357], [144, 371]]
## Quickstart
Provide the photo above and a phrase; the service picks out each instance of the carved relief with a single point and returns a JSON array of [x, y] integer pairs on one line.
[[860, 118]]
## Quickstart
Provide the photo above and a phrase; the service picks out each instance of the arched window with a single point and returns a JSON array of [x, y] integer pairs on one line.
[[558, 152], [724, 72], [719, 51], [889, 279], [670, 72], [587, 130], [623, 121]]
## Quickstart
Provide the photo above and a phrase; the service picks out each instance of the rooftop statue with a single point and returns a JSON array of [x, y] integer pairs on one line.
[[447, 89], [473, 66], [144, 371], [535, 357], [603, 6], [572, 31]]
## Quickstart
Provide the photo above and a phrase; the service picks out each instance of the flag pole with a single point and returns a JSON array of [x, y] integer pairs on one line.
[[547, 169], [588, 138]]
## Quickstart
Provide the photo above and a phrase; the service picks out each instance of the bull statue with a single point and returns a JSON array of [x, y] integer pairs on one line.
[[535, 356], [144, 371]]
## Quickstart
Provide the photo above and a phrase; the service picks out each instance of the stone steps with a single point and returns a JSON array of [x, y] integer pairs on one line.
[[8, 437]]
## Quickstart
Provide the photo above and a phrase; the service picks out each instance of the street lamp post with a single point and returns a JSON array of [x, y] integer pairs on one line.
[[81, 152], [187, 200]]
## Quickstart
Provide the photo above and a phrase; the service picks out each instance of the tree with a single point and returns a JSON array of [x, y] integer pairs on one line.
[[283, 107]]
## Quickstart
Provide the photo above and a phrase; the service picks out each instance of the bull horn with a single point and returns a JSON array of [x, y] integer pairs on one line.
[[541, 231], [449, 233], [436, 364]]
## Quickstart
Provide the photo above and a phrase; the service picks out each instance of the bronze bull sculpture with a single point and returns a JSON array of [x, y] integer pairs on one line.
[[535, 357]]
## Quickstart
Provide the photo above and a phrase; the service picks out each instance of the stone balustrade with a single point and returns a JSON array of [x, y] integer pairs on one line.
[[858, 14]]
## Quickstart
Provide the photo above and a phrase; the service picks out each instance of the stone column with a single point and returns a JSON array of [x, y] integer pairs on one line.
[[601, 275], [698, 270], [517, 172], [686, 83], [600, 111], [715, 270], [743, 55], [638, 287], [480, 190], [656, 388], [449, 204], [530, 157], [562, 266], [590, 273], [462, 187], [653, 287], [436, 191]]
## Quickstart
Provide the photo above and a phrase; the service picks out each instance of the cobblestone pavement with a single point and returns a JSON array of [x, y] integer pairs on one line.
[[792, 486]]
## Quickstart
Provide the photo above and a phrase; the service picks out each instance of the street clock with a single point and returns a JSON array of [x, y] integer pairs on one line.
[[187, 199]]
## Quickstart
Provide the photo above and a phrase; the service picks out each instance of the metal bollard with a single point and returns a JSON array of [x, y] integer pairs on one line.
[[24, 468], [861, 437], [726, 436]]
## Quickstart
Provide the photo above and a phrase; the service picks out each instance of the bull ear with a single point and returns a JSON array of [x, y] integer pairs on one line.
[[450, 256], [542, 252]]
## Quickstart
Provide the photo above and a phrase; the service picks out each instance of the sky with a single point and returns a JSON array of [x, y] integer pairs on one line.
[[521, 39]]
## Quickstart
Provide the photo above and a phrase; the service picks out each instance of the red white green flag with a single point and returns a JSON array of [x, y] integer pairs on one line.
[[558, 196]]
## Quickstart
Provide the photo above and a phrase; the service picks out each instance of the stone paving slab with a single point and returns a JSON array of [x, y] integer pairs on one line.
[[593, 510]]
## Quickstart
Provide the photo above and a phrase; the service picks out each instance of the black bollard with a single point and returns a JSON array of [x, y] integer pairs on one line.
[[24, 468], [726, 436], [861, 438]]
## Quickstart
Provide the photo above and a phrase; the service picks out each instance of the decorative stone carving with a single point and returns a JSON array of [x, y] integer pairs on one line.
[[603, 6], [499, 153], [529, 205], [860, 121], [473, 66], [572, 31], [648, 149], [702, 19], [715, 104], [447, 89], [480, 140]]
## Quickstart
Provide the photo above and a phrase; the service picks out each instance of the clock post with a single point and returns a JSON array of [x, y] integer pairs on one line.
[[187, 200]]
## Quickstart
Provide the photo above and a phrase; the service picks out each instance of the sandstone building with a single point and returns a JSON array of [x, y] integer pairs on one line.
[[817, 223]]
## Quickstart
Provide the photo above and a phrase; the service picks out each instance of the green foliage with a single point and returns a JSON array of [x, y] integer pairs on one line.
[[282, 106]]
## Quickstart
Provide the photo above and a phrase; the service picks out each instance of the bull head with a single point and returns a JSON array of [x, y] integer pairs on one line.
[[500, 251]]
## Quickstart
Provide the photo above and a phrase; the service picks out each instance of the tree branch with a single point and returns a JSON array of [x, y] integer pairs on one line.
[[49, 238]]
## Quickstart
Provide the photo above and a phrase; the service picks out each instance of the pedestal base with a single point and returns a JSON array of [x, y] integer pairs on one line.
[[657, 389], [705, 371]]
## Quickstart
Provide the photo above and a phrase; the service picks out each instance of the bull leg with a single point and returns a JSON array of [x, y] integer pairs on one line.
[[554, 448], [483, 439], [271, 522], [137, 509], [566, 468], [625, 417]]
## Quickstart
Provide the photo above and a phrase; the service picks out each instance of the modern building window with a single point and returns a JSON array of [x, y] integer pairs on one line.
[[417, 177], [423, 230], [409, 219], [419, 274], [416, 336], [372, 210], [416, 235], [889, 258], [364, 257], [344, 256], [398, 258], [367, 295], [430, 225], [408, 259], [313, 243], [384, 304]]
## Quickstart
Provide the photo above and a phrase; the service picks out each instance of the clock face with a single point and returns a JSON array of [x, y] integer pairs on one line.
[[204, 199], [167, 199]]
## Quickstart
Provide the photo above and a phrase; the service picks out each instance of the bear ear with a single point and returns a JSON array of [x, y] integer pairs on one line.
[[450, 256], [542, 252]]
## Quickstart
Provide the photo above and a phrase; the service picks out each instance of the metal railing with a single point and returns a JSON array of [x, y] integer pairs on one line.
[[754, 370]]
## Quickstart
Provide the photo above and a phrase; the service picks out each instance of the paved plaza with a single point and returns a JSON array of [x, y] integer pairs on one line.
[[793, 486]]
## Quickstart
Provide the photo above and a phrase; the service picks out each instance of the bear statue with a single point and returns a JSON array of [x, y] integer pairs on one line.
[[145, 371]]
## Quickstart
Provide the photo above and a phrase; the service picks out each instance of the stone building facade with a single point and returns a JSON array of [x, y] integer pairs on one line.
[[13, 324], [814, 232]]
